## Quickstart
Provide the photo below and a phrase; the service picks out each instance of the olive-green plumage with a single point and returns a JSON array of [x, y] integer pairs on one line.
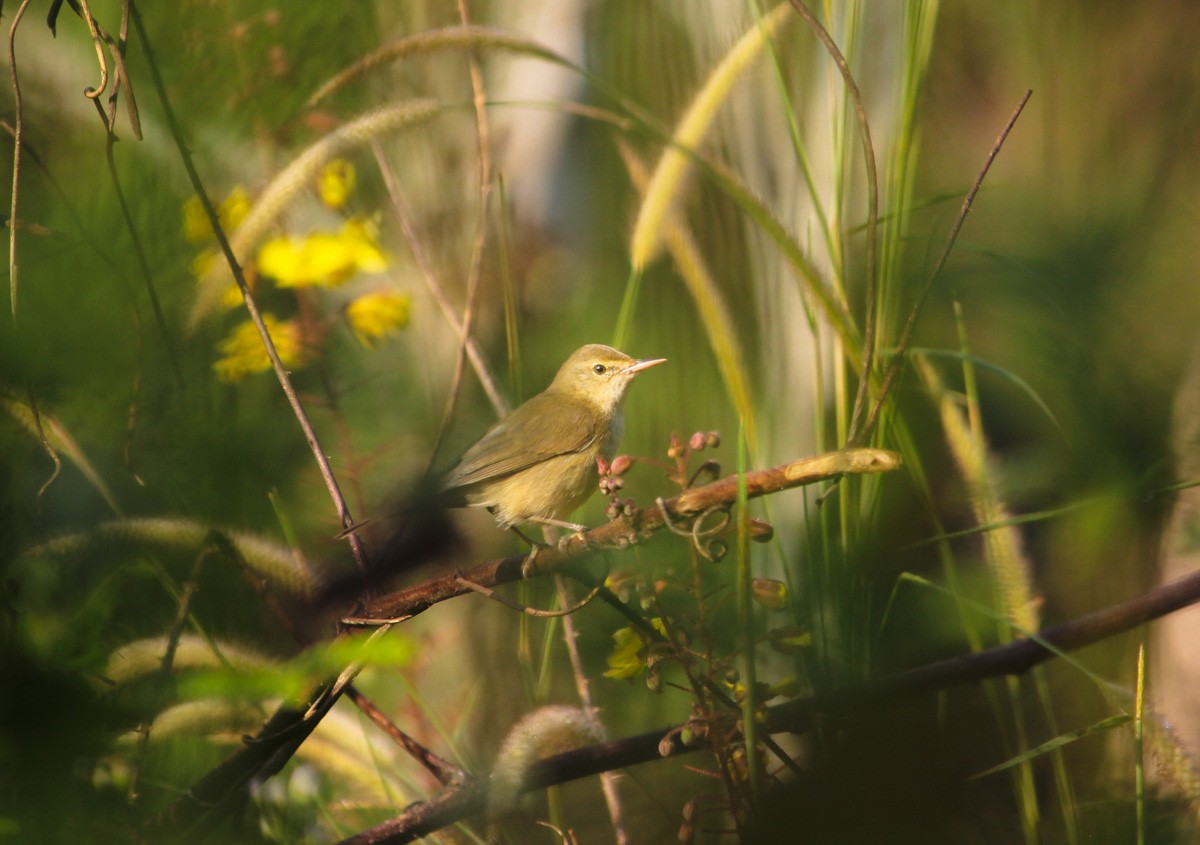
[[538, 464]]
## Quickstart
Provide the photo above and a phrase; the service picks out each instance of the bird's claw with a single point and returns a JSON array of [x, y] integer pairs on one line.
[[529, 565], [579, 534]]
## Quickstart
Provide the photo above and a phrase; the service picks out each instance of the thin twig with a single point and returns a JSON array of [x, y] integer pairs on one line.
[[85, 12], [442, 769], [139, 250], [608, 780], [906, 334], [408, 229], [871, 319], [563, 612], [285, 381], [473, 273], [45, 441], [168, 660], [483, 143], [18, 131]]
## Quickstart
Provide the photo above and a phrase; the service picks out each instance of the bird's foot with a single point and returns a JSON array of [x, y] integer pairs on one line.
[[580, 534], [529, 565]]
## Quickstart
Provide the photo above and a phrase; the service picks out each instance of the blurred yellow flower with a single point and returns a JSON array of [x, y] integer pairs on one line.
[[374, 316], [336, 183], [231, 213], [243, 353], [628, 656], [321, 258], [232, 297], [203, 262]]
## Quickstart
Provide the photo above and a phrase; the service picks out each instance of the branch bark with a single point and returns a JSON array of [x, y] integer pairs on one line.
[[796, 716], [625, 531]]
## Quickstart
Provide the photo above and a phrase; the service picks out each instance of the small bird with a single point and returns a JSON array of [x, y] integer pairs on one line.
[[538, 464]]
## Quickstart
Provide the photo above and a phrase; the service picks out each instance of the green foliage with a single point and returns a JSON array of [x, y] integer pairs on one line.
[[691, 179]]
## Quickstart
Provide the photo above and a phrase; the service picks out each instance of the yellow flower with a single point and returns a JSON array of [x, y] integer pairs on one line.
[[336, 183], [321, 258], [203, 262], [374, 316], [628, 656], [243, 353], [231, 213], [232, 297]]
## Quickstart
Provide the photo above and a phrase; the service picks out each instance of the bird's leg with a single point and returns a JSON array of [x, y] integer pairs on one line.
[[527, 569], [534, 544], [574, 527], [548, 525]]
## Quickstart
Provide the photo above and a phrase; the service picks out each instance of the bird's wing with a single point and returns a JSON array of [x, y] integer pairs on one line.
[[537, 431]]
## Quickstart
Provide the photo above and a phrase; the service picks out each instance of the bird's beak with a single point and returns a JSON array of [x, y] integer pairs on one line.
[[642, 364]]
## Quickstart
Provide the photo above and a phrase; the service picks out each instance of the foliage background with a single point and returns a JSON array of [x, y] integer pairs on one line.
[[1074, 277]]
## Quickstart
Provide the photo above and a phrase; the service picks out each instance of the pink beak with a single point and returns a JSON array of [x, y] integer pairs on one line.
[[643, 364]]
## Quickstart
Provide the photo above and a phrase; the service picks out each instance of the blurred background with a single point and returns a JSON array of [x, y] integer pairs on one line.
[[157, 495]]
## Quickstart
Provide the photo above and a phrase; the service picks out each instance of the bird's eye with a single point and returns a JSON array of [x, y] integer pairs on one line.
[[599, 369]]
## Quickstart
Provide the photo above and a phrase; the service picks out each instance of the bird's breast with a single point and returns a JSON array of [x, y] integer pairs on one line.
[[552, 489]]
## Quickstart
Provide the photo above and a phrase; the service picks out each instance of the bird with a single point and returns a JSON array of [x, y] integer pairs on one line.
[[538, 463]]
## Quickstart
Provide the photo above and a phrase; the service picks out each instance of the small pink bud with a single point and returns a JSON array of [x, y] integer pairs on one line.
[[760, 531], [619, 465], [697, 441]]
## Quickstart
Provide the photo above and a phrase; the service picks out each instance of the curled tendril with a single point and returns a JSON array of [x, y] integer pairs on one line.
[[704, 537], [86, 13], [709, 468], [529, 611]]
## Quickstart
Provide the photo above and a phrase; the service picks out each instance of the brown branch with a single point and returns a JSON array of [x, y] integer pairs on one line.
[[406, 603], [266, 753], [425, 817], [797, 716], [445, 771]]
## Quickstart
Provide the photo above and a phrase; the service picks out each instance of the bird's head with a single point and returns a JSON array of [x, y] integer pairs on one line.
[[599, 374]]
